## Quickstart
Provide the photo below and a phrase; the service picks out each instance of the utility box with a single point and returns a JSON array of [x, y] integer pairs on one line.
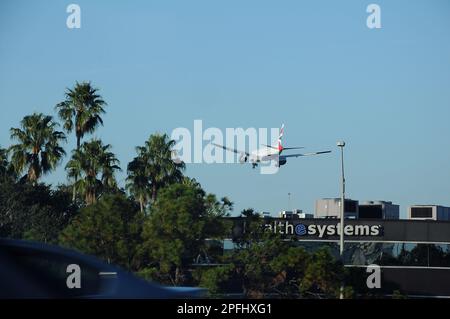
[[331, 208]]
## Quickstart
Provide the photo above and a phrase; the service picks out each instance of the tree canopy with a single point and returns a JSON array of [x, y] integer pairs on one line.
[[176, 232], [81, 110], [38, 148], [92, 168], [109, 229]]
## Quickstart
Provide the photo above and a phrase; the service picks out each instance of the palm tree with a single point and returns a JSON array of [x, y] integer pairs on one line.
[[3, 162], [162, 169], [154, 167], [38, 149], [138, 183], [92, 166], [81, 110], [6, 169], [109, 164]]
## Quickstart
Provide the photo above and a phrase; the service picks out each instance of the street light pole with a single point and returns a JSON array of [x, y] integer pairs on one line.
[[341, 144]]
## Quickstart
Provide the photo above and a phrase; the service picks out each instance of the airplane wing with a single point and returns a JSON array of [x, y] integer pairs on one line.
[[231, 149], [292, 148], [284, 148], [270, 146], [304, 154]]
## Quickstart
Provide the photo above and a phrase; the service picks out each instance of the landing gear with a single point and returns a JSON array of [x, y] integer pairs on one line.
[[254, 165]]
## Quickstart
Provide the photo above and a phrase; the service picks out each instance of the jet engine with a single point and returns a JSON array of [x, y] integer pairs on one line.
[[243, 158], [281, 162]]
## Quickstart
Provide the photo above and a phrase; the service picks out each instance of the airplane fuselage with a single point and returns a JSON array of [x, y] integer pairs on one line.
[[263, 155]]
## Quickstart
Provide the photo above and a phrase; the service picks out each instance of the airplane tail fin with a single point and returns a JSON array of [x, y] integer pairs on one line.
[[280, 136], [280, 145]]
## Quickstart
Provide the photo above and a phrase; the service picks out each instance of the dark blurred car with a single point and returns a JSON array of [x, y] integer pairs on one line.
[[36, 270]]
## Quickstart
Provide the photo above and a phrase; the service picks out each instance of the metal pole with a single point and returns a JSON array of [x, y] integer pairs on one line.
[[341, 241], [289, 202], [341, 144]]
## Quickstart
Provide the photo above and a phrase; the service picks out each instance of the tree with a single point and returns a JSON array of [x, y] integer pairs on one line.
[[254, 265], [271, 266], [250, 214], [109, 165], [250, 229], [216, 210], [153, 167], [264, 264], [138, 183], [176, 230], [109, 229], [92, 167], [6, 169], [81, 110], [216, 280], [38, 150], [4, 163], [34, 212], [323, 275]]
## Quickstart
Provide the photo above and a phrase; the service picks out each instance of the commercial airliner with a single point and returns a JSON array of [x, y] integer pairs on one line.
[[269, 153]]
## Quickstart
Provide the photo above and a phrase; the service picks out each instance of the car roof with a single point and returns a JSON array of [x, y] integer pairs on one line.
[[54, 249]]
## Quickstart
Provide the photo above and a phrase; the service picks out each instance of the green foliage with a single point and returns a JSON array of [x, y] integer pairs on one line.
[[253, 262], [7, 173], [252, 229], [179, 223], [92, 169], [290, 265], [109, 229], [178, 239], [215, 279], [149, 273], [263, 264], [38, 150], [138, 183], [271, 267], [153, 168], [34, 212], [81, 110], [323, 274]]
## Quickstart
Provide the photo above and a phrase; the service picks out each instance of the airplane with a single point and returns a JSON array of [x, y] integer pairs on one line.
[[269, 153]]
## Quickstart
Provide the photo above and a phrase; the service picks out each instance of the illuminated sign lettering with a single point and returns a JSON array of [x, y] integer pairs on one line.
[[323, 230]]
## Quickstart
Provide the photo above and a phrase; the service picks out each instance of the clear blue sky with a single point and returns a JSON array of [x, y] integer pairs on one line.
[[313, 65]]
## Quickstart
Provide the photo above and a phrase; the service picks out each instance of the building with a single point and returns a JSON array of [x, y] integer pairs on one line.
[[265, 214], [430, 212], [378, 210], [331, 208], [295, 214], [413, 255]]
